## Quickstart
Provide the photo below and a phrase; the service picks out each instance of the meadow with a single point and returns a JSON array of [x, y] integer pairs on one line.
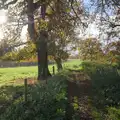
[[12, 75]]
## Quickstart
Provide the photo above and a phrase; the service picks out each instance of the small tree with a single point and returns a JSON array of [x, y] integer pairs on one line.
[[27, 52], [113, 52], [90, 49]]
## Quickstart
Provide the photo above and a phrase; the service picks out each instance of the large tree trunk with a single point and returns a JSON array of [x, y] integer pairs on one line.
[[31, 29], [41, 43], [59, 63], [43, 71]]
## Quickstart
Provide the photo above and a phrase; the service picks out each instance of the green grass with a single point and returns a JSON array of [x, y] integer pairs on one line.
[[74, 64], [10, 75]]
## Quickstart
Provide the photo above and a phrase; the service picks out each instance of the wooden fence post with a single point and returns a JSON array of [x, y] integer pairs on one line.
[[46, 75], [53, 70], [25, 95]]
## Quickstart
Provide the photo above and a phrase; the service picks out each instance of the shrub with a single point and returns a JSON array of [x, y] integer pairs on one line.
[[113, 113], [105, 90], [45, 102]]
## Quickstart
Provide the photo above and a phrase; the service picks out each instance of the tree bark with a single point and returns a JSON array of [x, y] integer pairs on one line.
[[41, 43], [43, 71], [59, 64], [31, 29]]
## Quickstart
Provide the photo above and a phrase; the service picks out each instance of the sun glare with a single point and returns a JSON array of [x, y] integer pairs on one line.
[[3, 16]]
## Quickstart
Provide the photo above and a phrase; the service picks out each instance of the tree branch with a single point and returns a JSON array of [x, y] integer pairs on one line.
[[18, 45], [9, 3], [12, 2]]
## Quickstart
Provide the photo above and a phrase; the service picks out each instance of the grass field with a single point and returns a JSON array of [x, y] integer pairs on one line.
[[11, 75]]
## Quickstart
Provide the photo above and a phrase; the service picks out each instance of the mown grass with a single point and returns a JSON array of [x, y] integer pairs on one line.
[[10, 75]]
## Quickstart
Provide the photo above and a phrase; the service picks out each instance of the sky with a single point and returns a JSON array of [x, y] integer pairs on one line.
[[3, 20], [88, 6], [3, 16], [91, 31], [24, 34]]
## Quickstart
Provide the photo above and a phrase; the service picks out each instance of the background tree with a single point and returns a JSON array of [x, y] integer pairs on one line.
[[27, 52], [113, 52], [90, 49], [10, 39], [57, 47]]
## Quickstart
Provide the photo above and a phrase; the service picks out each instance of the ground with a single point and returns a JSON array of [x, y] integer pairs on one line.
[[79, 90]]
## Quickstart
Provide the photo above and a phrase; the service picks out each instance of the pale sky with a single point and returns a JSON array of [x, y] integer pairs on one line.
[[91, 31], [24, 34], [3, 16], [3, 20]]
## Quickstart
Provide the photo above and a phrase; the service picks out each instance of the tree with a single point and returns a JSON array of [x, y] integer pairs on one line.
[[56, 15], [27, 52], [113, 52], [57, 48], [90, 49], [9, 56], [106, 15], [61, 13], [10, 38]]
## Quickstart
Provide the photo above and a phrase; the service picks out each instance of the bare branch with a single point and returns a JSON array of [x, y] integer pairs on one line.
[[6, 5], [18, 45], [12, 2]]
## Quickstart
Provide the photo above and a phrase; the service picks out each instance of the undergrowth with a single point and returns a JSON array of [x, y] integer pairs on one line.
[[105, 90], [45, 102], [49, 101]]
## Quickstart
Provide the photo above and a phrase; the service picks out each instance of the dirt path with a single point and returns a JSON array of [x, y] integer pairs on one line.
[[79, 89]]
